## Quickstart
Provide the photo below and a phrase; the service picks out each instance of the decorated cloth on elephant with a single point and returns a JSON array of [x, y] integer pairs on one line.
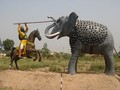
[[91, 33]]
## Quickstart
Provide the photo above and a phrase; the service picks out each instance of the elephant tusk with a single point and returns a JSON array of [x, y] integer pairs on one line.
[[48, 35]]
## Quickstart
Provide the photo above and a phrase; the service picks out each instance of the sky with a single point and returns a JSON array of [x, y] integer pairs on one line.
[[106, 12]]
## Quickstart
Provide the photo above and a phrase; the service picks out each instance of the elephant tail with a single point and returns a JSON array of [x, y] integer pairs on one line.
[[116, 52]]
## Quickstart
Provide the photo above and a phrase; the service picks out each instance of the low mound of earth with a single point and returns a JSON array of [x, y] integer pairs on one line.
[[37, 80]]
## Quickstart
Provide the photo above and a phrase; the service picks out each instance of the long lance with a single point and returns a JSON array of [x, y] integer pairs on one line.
[[32, 22]]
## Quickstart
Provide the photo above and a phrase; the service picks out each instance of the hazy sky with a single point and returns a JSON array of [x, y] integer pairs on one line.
[[106, 12]]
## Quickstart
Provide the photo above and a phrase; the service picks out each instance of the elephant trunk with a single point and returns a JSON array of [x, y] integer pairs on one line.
[[53, 33], [53, 20]]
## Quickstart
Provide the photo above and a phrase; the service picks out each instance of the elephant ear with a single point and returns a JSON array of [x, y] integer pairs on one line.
[[72, 20], [69, 25]]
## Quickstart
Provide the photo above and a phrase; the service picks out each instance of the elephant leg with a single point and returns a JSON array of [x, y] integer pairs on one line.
[[72, 67], [106, 65], [109, 61]]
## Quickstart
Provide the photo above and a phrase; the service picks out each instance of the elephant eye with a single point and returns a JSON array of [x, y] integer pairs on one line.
[[58, 20]]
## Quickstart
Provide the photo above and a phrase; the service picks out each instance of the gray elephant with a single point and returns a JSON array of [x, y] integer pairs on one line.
[[84, 37]]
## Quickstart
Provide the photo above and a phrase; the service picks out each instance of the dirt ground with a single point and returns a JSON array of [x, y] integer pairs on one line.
[[37, 80]]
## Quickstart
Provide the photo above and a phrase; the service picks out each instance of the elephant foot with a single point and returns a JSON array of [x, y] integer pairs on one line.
[[110, 73], [106, 71], [72, 72]]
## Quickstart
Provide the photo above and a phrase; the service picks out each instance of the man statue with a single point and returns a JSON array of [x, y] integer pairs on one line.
[[23, 39]]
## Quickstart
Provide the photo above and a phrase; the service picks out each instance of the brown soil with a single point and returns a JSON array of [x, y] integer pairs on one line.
[[37, 80]]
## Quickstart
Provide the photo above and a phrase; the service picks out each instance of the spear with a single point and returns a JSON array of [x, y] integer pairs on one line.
[[32, 22]]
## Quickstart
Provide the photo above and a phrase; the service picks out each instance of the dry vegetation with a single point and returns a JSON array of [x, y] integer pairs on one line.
[[37, 80]]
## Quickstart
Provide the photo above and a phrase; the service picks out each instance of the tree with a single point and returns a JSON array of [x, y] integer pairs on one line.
[[45, 51], [8, 44]]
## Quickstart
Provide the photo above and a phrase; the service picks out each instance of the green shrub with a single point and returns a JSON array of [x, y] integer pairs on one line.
[[55, 68], [66, 56], [96, 63], [97, 67]]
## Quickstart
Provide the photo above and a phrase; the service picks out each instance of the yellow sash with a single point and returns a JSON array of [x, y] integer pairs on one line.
[[24, 49]]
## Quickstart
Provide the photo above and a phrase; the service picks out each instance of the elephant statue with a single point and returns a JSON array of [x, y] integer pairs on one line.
[[84, 37]]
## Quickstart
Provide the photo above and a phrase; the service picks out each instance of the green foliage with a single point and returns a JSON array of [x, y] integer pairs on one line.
[[86, 63], [65, 56], [117, 57], [8, 53], [0, 49], [58, 55], [45, 51], [97, 67], [8, 44], [4, 63], [28, 64], [55, 68]]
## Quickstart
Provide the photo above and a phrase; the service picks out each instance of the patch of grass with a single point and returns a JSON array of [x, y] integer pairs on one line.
[[28, 64], [4, 63], [6, 88], [117, 66], [97, 67], [88, 63], [55, 68]]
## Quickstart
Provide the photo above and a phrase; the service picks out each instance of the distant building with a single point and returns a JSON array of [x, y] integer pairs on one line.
[[1, 46], [2, 51]]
